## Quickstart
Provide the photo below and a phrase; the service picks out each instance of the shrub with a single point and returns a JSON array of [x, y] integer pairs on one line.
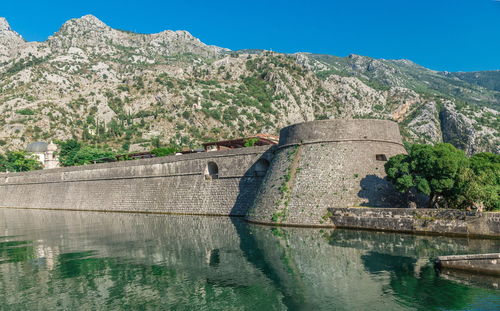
[[25, 112], [164, 151]]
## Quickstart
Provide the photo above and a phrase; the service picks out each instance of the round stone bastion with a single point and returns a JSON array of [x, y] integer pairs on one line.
[[327, 164]]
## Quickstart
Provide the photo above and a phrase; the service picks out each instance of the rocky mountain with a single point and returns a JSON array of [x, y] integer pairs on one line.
[[129, 90], [486, 79]]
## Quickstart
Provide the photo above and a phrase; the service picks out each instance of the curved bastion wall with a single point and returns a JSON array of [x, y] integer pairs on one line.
[[327, 164], [212, 183]]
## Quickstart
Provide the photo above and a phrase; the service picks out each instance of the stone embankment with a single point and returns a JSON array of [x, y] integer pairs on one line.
[[422, 221]]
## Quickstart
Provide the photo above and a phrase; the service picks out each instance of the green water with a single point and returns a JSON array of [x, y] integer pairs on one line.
[[96, 261]]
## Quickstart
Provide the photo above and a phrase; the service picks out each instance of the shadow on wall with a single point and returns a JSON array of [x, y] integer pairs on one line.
[[249, 184], [381, 193]]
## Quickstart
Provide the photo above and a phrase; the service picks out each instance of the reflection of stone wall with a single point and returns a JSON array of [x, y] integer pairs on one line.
[[327, 164], [314, 275], [409, 245], [136, 261], [348, 270], [174, 184], [152, 259]]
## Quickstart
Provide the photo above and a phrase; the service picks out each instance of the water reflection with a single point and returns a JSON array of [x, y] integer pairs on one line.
[[69, 260]]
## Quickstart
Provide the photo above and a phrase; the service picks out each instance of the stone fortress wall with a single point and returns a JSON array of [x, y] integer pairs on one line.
[[328, 155], [322, 173], [213, 183]]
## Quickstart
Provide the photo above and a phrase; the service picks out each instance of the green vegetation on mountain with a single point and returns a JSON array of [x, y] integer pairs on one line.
[[487, 79], [482, 88], [74, 153], [133, 92]]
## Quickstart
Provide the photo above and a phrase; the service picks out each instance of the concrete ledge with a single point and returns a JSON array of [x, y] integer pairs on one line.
[[469, 257], [477, 263]]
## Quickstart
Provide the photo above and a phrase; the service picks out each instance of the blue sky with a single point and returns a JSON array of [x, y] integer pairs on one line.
[[452, 35]]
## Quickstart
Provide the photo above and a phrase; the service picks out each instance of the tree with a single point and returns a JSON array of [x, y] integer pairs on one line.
[[161, 152], [431, 170], [478, 186], [67, 151], [89, 155], [447, 176], [156, 142], [3, 163], [19, 161], [251, 142]]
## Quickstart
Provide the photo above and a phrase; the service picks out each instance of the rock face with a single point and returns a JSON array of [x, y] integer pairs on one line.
[[9, 40], [464, 132], [92, 35], [458, 130], [426, 124], [104, 85]]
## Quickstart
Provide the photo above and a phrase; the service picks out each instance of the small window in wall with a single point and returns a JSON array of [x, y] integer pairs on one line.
[[214, 260], [261, 167], [211, 171], [381, 157]]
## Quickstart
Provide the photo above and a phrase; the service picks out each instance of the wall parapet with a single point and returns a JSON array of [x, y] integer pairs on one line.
[[341, 130], [159, 160]]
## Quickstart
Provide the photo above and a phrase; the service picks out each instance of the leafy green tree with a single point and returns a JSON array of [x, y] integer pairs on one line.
[[447, 176], [161, 152], [19, 161], [90, 154], [432, 170], [3, 163], [478, 185], [156, 142], [251, 142], [67, 151]]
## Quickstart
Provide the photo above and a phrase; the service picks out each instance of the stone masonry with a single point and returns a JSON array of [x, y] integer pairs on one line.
[[325, 164], [173, 184]]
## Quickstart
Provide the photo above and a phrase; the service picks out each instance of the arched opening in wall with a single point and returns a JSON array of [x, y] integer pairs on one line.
[[211, 171], [261, 167], [381, 157]]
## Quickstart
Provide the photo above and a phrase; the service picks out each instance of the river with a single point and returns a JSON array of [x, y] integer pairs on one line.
[[62, 260]]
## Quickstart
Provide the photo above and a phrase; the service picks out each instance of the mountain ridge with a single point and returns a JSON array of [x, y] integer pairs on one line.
[[129, 90]]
